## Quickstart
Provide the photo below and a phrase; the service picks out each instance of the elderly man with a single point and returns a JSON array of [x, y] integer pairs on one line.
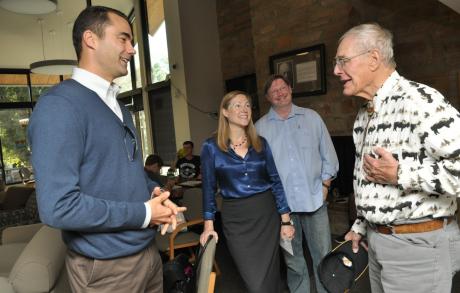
[[407, 168]]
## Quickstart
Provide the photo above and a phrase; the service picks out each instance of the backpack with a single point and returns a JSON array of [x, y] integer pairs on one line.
[[179, 275]]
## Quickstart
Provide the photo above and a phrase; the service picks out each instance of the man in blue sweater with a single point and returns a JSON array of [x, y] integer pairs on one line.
[[89, 175]]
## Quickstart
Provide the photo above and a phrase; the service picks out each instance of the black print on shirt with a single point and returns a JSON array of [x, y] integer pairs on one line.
[[412, 155], [401, 125], [396, 98], [441, 124], [367, 209], [383, 126], [406, 204], [437, 186], [423, 137], [358, 129], [424, 94]]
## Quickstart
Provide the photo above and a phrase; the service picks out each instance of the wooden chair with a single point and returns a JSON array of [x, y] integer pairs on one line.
[[167, 243]]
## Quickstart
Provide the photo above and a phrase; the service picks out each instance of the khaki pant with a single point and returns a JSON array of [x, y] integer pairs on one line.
[[141, 272], [414, 262]]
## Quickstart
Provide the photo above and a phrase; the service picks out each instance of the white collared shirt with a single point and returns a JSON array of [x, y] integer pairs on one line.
[[105, 90]]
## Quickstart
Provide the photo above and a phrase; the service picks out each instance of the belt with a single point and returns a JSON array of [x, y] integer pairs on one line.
[[414, 227]]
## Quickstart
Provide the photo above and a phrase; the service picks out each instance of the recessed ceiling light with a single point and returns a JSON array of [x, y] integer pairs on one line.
[[29, 6]]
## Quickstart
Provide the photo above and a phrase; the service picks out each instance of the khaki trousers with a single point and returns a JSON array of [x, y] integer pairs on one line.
[[414, 262], [141, 272]]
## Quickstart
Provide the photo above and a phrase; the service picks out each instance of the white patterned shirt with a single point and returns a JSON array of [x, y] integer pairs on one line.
[[422, 130]]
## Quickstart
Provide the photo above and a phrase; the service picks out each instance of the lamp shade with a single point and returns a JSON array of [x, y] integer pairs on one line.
[[53, 67], [29, 6]]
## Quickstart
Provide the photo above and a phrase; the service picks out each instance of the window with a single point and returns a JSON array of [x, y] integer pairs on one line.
[[15, 109], [142, 128], [125, 81], [41, 84], [158, 46], [13, 138], [14, 88]]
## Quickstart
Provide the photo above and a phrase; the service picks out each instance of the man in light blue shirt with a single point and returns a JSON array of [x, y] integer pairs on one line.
[[306, 161]]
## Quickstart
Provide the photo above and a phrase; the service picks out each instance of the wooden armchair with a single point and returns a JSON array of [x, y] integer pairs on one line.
[[167, 243]]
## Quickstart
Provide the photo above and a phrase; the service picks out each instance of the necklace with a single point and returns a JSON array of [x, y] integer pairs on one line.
[[235, 146]]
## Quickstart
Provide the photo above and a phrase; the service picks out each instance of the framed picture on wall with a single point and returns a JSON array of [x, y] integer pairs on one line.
[[305, 68]]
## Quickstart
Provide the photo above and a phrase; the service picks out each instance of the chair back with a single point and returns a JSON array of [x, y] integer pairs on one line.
[[204, 268], [31, 208], [25, 174], [193, 200], [16, 197]]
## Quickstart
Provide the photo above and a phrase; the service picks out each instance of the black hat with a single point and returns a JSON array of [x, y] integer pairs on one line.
[[341, 267]]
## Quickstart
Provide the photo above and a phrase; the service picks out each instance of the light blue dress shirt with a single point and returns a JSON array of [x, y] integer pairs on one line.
[[304, 155]]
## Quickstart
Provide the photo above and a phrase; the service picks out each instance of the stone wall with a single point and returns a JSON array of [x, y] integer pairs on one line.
[[426, 33], [236, 43]]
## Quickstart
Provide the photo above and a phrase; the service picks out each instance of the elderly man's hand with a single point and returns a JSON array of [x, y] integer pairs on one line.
[[356, 241], [383, 170]]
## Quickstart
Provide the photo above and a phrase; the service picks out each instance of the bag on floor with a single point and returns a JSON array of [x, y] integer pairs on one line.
[[179, 275]]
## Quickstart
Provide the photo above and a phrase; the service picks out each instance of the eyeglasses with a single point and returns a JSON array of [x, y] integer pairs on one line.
[[130, 142], [341, 61], [239, 107], [277, 91]]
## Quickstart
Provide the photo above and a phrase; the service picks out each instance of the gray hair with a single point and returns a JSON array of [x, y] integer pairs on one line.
[[372, 36]]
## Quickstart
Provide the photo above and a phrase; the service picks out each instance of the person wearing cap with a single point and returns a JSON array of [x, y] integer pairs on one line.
[[407, 168]]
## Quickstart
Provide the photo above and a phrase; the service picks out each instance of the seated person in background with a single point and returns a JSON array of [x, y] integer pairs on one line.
[[188, 165], [152, 167]]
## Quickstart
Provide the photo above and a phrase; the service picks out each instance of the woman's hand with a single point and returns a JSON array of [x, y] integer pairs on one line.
[[208, 230], [287, 232]]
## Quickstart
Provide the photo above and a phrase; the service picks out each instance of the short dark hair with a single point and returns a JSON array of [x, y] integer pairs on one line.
[[153, 159], [271, 79], [95, 19], [188, 142]]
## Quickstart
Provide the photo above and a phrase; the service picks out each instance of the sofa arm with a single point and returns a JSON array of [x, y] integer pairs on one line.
[[20, 234], [5, 286], [40, 263]]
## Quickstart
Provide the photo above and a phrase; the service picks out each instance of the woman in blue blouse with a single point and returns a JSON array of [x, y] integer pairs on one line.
[[241, 164]]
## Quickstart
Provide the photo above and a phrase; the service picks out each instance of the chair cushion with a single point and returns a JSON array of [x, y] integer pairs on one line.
[[38, 267], [9, 253], [16, 197], [5, 286]]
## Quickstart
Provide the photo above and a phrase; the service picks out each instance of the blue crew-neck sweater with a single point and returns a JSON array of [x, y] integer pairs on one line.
[[87, 183]]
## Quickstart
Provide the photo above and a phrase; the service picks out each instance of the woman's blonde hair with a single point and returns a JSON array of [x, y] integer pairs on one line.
[[223, 129]]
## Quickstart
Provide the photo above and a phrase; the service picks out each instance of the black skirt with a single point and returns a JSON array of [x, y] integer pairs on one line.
[[252, 229]]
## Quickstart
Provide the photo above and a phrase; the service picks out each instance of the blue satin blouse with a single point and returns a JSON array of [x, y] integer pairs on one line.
[[238, 177]]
